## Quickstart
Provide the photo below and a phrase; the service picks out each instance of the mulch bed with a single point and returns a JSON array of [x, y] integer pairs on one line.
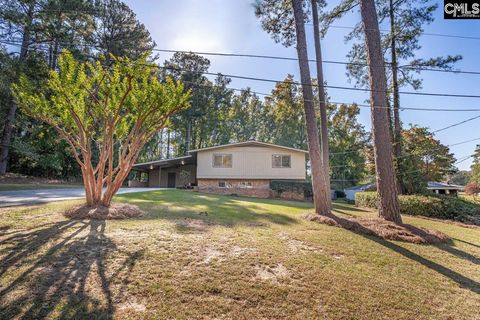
[[382, 229], [115, 211]]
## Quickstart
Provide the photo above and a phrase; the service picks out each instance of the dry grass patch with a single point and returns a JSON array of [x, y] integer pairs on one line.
[[383, 229], [115, 211], [248, 259]]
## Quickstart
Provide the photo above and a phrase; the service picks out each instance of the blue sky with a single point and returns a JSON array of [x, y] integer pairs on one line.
[[231, 26]]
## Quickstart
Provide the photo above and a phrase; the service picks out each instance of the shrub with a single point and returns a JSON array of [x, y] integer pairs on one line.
[[366, 199], [280, 186], [437, 206]]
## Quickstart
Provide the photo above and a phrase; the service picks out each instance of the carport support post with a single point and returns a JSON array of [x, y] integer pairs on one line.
[[159, 176]]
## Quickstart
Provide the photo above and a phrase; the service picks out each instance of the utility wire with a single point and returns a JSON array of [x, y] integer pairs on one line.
[[102, 11], [259, 56], [456, 124]]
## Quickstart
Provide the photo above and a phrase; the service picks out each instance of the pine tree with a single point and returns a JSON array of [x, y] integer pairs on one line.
[[388, 207]]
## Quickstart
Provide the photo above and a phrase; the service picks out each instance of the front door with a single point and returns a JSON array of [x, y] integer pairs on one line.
[[171, 180]]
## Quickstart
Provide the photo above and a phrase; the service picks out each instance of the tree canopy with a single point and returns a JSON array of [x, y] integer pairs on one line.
[[110, 109]]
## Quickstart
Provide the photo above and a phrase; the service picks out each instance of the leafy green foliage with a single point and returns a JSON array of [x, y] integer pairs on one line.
[[437, 206], [425, 159], [475, 175], [111, 111], [302, 187]]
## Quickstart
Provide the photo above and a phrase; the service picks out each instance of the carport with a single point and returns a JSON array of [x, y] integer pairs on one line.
[[167, 173]]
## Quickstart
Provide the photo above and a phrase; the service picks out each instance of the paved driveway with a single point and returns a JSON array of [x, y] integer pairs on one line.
[[26, 197]]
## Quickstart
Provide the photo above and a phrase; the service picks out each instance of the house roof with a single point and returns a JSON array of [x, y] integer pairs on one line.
[[361, 187], [191, 159], [165, 163], [248, 143], [432, 185]]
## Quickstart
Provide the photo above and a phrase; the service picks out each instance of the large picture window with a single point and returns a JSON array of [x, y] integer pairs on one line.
[[281, 161], [222, 160]]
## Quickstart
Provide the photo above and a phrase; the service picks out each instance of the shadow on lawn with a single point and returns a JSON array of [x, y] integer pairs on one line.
[[460, 279], [56, 280], [204, 210]]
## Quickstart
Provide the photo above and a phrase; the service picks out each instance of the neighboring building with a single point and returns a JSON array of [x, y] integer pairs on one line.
[[350, 192], [244, 168], [444, 188]]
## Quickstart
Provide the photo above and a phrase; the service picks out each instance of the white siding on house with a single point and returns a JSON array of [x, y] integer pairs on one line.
[[251, 162]]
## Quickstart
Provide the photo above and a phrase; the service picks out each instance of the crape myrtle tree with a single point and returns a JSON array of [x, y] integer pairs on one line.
[[285, 21], [110, 110]]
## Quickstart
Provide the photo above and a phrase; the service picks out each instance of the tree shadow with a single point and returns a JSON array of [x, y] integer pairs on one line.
[[204, 210], [460, 279], [56, 268], [466, 242], [336, 206]]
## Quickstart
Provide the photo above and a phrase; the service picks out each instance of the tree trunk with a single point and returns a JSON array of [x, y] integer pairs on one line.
[[321, 196], [12, 110], [388, 208], [322, 101], [188, 135], [397, 129], [168, 144]]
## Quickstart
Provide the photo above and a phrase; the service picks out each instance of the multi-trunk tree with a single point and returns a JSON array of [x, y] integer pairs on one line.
[[42, 29], [285, 21], [106, 113], [400, 42]]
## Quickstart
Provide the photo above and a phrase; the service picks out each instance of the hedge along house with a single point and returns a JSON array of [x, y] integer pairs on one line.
[[244, 168]]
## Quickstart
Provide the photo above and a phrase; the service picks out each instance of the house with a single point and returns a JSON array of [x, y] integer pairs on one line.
[[244, 168], [444, 188], [350, 192]]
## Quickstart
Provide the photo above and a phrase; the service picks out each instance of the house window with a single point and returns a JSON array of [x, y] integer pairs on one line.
[[222, 160], [245, 185], [281, 161], [224, 184]]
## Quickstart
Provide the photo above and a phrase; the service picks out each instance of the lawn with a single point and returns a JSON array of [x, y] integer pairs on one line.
[[242, 259]]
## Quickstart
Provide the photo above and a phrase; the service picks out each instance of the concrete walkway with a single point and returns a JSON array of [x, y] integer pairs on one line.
[[28, 197]]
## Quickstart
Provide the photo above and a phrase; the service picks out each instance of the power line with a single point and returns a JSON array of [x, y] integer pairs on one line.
[[297, 83], [463, 142], [456, 124], [223, 54], [423, 33], [259, 56], [358, 104], [102, 11], [326, 86]]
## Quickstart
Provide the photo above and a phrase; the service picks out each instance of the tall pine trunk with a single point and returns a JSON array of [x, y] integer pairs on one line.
[[12, 110], [322, 101], [321, 196], [388, 207], [397, 129]]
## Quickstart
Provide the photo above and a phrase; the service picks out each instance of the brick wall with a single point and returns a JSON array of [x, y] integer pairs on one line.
[[259, 188]]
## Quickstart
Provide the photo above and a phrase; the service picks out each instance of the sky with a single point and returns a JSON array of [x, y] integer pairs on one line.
[[230, 26]]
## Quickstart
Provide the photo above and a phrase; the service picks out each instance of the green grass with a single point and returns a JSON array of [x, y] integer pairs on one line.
[[246, 259], [34, 186]]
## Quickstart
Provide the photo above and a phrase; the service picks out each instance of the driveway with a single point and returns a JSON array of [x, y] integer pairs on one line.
[[27, 197]]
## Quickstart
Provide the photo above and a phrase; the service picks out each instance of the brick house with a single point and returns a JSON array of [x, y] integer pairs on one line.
[[244, 168]]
